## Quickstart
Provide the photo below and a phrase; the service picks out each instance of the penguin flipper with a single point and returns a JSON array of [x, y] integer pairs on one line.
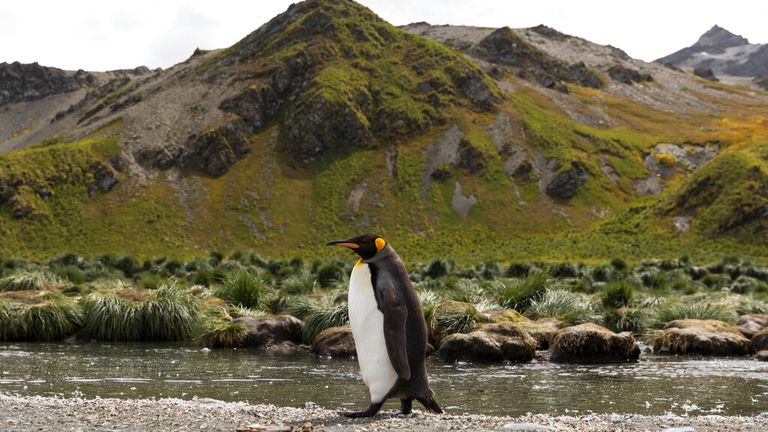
[[395, 315]]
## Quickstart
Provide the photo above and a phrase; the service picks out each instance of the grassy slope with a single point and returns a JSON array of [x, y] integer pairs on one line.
[[270, 204]]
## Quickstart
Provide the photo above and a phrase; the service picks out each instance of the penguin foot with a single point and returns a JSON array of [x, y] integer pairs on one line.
[[406, 406], [368, 412]]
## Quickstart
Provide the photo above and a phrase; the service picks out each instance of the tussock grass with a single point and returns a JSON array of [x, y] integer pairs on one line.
[[167, 314], [50, 317], [567, 307], [25, 280], [618, 294], [242, 288], [625, 319], [302, 282], [693, 310], [519, 293]]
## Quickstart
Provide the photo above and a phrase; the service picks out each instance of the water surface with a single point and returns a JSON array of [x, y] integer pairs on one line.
[[655, 385]]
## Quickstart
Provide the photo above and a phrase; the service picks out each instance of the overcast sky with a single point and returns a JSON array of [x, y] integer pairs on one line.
[[104, 35]]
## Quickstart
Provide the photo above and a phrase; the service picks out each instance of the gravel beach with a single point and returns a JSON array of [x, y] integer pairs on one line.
[[73, 414]]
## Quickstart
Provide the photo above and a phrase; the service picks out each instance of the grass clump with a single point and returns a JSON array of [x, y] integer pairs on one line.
[[167, 314], [46, 317], [519, 293], [625, 319], [618, 294], [244, 289], [694, 310], [567, 307], [38, 280]]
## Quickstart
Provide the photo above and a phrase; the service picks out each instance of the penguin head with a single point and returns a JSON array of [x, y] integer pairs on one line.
[[366, 245]]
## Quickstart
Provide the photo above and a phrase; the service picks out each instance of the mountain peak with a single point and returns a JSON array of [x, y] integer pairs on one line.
[[719, 37]]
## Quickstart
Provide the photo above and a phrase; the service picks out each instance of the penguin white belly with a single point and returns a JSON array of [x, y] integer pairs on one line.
[[367, 323]]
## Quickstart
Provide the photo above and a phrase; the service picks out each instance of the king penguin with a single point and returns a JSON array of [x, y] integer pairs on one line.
[[388, 327]]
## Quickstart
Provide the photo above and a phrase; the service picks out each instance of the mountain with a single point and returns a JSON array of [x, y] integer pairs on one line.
[[724, 53], [460, 142]]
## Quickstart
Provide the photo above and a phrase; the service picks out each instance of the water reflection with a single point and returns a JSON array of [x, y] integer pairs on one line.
[[655, 385]]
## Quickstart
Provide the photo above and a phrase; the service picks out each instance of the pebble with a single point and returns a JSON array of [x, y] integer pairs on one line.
[[49, 414], [527, 427]]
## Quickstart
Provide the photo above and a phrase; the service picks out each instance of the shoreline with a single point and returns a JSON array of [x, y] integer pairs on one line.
[[23, 413]]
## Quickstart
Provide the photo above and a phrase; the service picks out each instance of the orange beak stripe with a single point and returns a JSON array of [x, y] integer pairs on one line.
[[348, 245]]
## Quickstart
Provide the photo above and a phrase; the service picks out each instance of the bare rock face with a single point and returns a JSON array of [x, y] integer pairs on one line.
[[702, 337], [491, 343], [591, 343], [628, 76], [760, 341], [271, 331], [460, 203], [566, 183], [751, 324], [705, 72], [28, 82], [334, 342]]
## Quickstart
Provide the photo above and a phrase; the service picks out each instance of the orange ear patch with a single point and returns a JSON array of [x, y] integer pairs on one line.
[[380, 243]]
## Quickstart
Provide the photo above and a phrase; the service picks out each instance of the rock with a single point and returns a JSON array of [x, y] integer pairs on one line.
[[580, 73], [648, 186], [702, 337], [28, 82], [473, 86], [490, 343], [761, 81], [527, 427], [470, 158], [628, 76], [460, 203], [750, 324], [213, 151], [263, 332], [334, 342], [105, 177], [762, 355], [591, 343], [760, 341], [705, 72], [567, 181], [543, 330], [679, 429]]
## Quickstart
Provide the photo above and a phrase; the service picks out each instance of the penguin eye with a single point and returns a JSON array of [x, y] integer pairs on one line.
[[380, 243]]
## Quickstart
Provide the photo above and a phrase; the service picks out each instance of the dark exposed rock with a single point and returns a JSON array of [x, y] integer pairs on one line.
[[751, 324], [490, 343], [105, 177], [473, 86], [470, 158], [701, 337], [566, 183], [760, 341], [761, 81], [28, 82], [316, 125], [591, 343], [761, 355], [580, 73], [504, 46], [334, 342], [549, 32], [256, 105], [628, 76], [213, 151], [705, 72], [274, 330]]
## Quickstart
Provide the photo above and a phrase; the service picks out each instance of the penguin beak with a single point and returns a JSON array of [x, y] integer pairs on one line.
[[343, 243]]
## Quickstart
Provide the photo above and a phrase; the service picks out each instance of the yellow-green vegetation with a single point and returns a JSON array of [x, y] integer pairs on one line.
[[402, 93]]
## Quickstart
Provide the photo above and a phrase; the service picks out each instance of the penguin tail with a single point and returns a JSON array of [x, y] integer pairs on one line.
[[431, 404]]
